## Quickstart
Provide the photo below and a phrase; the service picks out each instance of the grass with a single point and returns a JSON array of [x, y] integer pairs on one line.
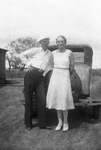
[[83, 133], [15, 73]]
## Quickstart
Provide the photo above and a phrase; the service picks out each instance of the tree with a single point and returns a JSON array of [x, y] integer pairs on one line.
[[9, 58], [16, 47]]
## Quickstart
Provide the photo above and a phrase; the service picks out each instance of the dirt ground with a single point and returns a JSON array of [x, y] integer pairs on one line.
[[84, 132]]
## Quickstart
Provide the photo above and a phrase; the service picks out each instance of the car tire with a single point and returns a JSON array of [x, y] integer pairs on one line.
[[96, 112]]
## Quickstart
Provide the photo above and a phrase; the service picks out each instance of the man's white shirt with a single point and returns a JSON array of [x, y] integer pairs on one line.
[[37, 57]]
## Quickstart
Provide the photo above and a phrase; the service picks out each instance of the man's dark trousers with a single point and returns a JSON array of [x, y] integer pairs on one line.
[[34, 82]]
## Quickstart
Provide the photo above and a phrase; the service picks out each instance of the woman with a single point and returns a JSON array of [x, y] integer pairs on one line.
[[59, 95]]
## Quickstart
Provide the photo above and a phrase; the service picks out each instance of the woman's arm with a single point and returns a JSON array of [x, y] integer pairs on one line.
[[71, 62]]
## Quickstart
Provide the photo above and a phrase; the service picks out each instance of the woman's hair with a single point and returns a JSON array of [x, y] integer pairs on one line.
[[63, 37]]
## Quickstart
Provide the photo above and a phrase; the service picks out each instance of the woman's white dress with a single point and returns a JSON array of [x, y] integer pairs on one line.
[[59, 94]]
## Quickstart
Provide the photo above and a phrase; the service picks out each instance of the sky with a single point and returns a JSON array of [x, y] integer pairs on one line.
[[78, 20]]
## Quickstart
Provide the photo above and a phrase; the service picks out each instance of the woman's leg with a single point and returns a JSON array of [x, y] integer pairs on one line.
[[59, 114], [65, 118]]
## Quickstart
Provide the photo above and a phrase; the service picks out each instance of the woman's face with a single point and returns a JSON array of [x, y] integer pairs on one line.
[[60, 42]]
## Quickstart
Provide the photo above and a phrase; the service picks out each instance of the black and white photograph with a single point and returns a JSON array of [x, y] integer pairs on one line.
[[50, 75]]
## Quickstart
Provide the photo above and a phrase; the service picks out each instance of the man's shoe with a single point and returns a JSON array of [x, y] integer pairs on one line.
[[49, 128], [28, 128], [46, 127]]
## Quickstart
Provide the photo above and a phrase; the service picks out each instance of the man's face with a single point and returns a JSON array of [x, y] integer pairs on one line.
[[44, 43]]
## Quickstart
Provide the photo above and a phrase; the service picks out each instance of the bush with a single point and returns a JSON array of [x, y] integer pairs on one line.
[[15, 73]]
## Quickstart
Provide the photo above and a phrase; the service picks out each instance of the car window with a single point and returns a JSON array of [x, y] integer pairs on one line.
[[78, 57]]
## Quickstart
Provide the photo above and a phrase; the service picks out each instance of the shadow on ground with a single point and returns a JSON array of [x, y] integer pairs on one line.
[[76, 118]]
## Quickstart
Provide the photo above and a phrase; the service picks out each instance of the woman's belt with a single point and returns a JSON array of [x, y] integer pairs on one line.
[[60, 68]]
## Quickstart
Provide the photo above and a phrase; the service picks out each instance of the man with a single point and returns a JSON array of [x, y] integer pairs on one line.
[[39, 62]]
